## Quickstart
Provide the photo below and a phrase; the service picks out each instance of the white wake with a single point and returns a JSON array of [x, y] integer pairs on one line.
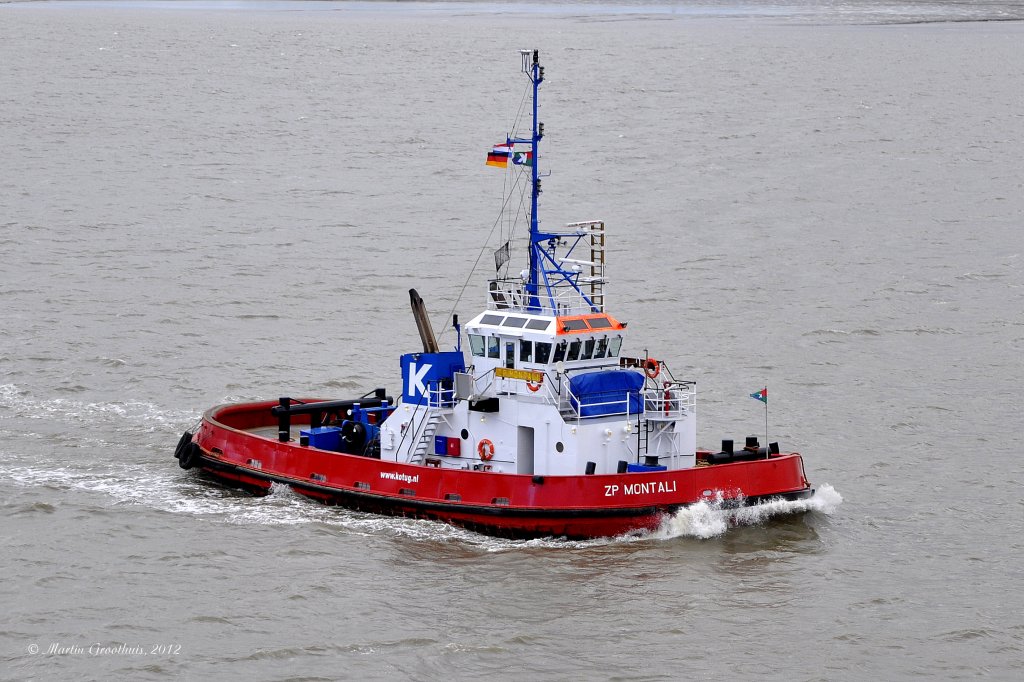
[[711, 519]]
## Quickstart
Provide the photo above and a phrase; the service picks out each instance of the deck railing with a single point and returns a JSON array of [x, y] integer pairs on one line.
[[508, 294], [671, 401], [440, 394]]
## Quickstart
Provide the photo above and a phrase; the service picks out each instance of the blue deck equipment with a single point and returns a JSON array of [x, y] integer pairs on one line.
[[645, 468], [324, 437], [598, 394]]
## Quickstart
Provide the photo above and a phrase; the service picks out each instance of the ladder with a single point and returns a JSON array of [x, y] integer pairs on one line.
[[593, 230], [597, 269], [426, 435], [643, 435]]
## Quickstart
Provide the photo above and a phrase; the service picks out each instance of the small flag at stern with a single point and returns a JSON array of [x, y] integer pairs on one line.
[[761, 395]]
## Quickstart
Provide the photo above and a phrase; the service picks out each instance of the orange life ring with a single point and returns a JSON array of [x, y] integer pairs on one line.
[[535, 386], [485, 449], [652, 368]]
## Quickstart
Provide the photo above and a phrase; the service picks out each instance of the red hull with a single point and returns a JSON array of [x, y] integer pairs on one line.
[[507, 505]]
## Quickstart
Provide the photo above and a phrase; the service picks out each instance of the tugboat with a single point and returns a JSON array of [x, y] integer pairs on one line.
[[545, 428]]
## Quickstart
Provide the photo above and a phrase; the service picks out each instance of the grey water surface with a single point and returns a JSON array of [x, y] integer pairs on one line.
[[207, 202]]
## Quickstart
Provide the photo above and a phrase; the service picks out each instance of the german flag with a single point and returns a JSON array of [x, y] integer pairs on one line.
[[500, 155]]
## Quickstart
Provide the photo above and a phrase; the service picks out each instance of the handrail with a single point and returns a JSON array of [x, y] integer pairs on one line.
[[478, 379], [681, 398], [509, 294], [440, 396], [410, 429], [582, 403], [672, 401]]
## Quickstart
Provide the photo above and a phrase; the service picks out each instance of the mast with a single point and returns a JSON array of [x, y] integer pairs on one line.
[[535, 72], [548, 285]]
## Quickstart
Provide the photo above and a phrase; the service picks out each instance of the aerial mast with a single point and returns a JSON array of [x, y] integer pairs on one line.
[[546, 273], [535, 72]]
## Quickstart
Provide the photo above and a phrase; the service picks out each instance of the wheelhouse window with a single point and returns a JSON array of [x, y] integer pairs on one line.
[[613, 346], [602, 348], [476, 345], [526, 351], [574, 350], [493, 347], [560, 351], [588, 349], [543, 352]]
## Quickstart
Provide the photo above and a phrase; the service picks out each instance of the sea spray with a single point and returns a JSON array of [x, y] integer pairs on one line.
[[711, 519]]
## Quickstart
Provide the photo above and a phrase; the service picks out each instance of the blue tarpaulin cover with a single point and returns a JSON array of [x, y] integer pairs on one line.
[[607, 392]]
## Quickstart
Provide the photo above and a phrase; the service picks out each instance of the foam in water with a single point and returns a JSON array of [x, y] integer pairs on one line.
[[136, 413], [707, 520]]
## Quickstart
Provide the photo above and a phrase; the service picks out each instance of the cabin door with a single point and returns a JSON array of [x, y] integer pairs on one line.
[[524, 457]]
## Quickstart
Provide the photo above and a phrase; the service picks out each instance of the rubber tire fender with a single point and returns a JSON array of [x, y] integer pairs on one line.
[[183, 442], [190, 457]]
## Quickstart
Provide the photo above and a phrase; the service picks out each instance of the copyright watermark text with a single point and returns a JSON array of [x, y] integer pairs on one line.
[[98, 649]]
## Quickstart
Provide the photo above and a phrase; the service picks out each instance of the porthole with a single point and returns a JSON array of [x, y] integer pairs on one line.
[[560, 446], [464, 434]]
